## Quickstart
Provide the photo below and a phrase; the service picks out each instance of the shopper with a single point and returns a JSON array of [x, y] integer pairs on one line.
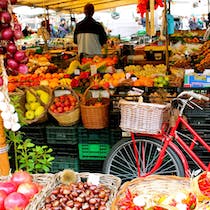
[[42, 32], [62, 29], [89, 34], [26, 31]]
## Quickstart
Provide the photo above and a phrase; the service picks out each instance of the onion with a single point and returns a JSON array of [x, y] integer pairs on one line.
[[18, 34], [7, 33], [8, 187], [22, 69], [19, 177], [15, 200], [29, 189], [1, 81], [8, 56], [11, 48], [12, 64], [19, 56], [3, 195], [5, 17], [3, 4], [13, 1], [17, 27]]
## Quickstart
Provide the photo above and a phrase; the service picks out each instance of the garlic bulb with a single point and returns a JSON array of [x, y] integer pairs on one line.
[[15, 127], [7, 124], [2, 97]]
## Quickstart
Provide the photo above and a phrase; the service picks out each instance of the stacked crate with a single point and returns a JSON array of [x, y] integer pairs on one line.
[[94, 146], [200, 122], [64, 141]]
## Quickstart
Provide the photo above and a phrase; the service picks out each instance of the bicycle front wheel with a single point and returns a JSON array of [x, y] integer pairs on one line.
[[121, 160]]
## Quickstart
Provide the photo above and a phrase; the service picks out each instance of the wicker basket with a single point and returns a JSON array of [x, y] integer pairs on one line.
[[110, 181], [45, 180], [94, 117], [140, 117], [195, 186], [67, 118], [44, 116], [21, 98], [154, 190]]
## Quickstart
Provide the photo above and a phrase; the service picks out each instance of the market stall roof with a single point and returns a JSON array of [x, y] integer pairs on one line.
[[75, 6]]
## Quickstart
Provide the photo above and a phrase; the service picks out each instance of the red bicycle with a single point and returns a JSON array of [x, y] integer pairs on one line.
[[156, 150]]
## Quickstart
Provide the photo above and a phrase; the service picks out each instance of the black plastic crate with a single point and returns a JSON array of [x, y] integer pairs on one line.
[[91, 136], [65, 158], [114, 119], [65, 162], [93, 166], [62, 134], [115, 136], [37, 133]]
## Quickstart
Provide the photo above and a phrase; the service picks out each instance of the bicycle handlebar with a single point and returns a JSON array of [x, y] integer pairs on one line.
[[194, 95]]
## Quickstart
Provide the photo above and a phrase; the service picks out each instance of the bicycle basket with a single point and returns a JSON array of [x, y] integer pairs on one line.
[[143, 117]]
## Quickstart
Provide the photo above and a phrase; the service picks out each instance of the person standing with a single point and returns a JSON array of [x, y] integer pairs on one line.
[[26, 32], [89, 35], [62, 29], [43, 33]]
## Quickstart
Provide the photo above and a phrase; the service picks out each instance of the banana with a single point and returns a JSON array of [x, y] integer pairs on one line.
[[65, 82]]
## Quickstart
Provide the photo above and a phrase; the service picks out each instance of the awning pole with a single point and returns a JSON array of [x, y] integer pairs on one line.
[[167, 37]]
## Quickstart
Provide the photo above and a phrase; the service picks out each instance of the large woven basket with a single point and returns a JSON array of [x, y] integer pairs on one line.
[[44, 180], [94, 117], [110, 181], [195, 186], [67, 118], [44, 116], [140, 117], [20, 94], [154, 190]]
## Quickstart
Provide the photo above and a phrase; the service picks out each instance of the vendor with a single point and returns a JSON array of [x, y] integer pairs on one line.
[[89, 34], [42, 32]]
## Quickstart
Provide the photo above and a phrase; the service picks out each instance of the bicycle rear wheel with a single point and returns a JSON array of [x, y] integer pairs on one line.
[[121, 159]]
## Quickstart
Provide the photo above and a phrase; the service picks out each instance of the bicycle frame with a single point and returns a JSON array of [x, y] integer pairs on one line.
[[168, 139]]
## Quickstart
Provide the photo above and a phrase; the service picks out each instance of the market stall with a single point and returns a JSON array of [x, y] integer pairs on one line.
[[65, 114]]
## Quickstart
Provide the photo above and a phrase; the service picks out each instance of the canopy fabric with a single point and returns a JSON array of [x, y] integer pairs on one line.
[[75, 6]]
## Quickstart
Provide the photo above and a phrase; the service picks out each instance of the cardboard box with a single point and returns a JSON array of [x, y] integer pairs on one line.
[[197, 80]]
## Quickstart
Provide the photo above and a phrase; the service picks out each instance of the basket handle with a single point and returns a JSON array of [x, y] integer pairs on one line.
[[70, 89], [38, 98], [83, 97]]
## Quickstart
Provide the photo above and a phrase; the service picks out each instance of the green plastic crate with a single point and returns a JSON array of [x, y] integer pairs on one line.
[[93, 151], [65, 162], [61, 134]]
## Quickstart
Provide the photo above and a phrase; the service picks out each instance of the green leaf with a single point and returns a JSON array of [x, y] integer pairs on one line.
[[50, 159]]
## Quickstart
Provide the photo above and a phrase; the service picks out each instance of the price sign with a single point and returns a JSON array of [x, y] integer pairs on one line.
[[93, 179]]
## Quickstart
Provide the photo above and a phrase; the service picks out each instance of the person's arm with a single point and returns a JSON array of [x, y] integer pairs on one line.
[[102, 36], [207, 33], [75, 35]]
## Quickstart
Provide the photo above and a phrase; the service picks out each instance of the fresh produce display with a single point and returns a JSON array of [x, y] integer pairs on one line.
[[10, 32], [41, 64], [201, 185], [80, 195], [146, 70], [161, 96], [181, 200], [36, 100], [18, 191], [63, 103]]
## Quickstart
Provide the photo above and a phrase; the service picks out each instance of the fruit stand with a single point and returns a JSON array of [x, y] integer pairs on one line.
[[60, 117]]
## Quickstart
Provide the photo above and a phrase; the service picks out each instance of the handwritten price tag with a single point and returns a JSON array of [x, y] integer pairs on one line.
[[93, 179]]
